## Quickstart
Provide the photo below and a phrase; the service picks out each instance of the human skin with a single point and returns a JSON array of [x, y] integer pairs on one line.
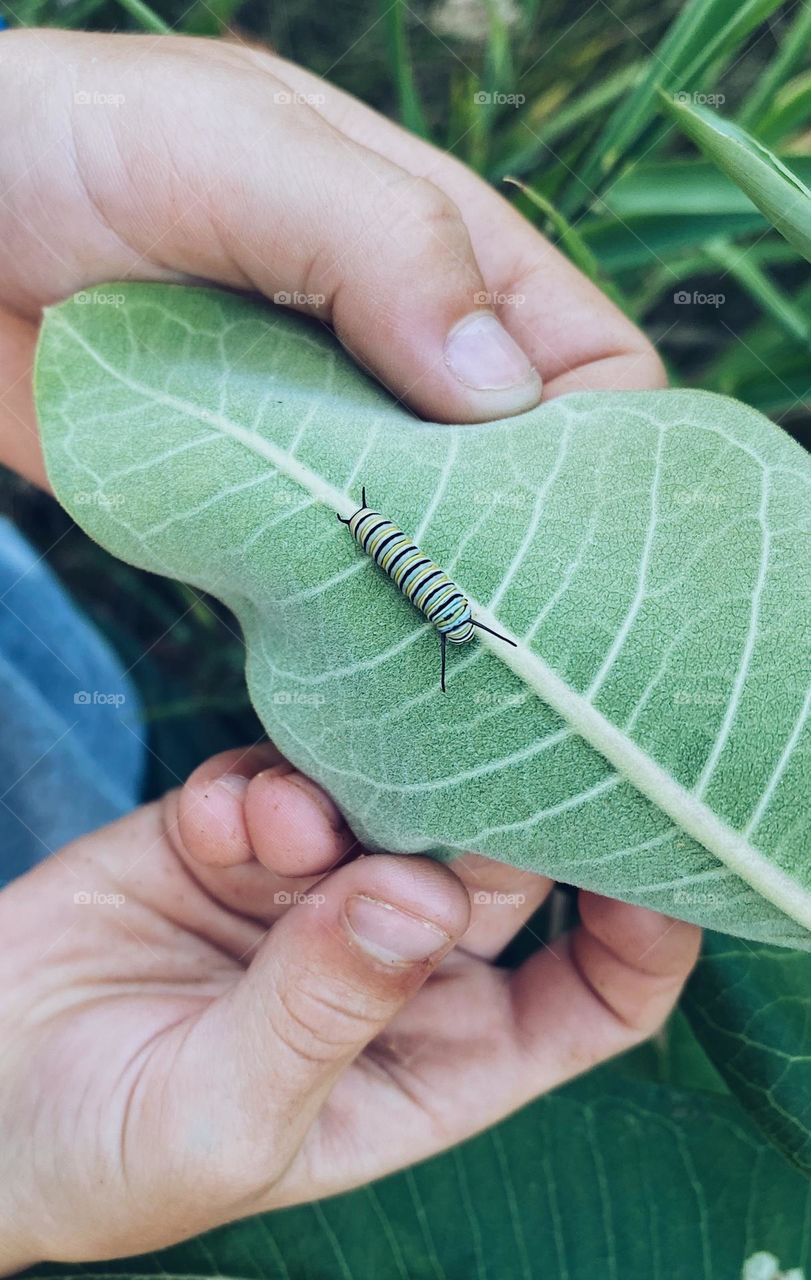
[[212, 166], [188, 1035], [323, 1063]]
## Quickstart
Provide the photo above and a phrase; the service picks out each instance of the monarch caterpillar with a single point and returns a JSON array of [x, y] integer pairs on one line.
[[420, 580]]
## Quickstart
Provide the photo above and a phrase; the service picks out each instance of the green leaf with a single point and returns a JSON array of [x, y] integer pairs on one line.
[[793, 49], [790, 110], [776, 189], [658, 210], [685, 188], [648, 737], [702, 35], [748, 1005], [607, 1178], [393, 16]]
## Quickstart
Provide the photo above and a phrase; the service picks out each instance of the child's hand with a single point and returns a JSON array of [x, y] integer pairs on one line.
[[153, 1084], [169, 158]]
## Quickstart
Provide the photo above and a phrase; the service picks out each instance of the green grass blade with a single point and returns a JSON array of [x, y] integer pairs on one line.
[[793, 48], [529, 143], [705, 32], [570, 238], [789, 111], [743, 268], [146, 18], [410, 107], [771, 185]]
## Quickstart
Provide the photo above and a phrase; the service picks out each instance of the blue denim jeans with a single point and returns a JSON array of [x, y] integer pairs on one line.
[[71, 749]]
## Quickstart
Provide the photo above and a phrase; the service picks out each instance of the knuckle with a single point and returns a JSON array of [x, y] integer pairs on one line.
[[322, 1019], [417, 207]]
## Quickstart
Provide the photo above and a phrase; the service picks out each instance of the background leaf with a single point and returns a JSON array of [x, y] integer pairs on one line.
[[748, 1005], [609, 1177], [647, 548], [769, 182]]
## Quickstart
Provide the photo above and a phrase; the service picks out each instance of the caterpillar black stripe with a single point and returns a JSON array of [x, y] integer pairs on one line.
[[421, 581]]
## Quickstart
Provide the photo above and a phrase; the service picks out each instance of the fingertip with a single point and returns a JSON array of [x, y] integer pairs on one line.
[[647, 940], [211, 822], [210, 818], [293, 826], [418, 885]]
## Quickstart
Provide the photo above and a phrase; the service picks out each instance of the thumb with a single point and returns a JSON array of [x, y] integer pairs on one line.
[[210, 167], [332, 972]]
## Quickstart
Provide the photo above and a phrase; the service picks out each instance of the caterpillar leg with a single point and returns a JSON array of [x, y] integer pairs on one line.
[[442, 652]]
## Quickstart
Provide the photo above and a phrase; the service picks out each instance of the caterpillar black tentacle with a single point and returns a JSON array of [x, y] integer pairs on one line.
[[421, 580]]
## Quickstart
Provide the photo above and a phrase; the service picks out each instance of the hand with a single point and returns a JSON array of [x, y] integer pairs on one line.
[[188, 1035], [169, 158]]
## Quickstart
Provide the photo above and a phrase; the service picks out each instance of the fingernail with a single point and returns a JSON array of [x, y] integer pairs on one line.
[[234, 784], [480, 353], [389, 934], [313, 792]]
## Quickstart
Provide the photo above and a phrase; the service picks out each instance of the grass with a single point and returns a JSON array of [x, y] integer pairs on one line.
[[596, 163]]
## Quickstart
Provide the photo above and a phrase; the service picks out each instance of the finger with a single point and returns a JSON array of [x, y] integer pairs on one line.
[[503, 899], [597, 991], [329, 976], [207, 824], [295, 828], [267, 196], [19, 439], [503, 1038], [573, 334]]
